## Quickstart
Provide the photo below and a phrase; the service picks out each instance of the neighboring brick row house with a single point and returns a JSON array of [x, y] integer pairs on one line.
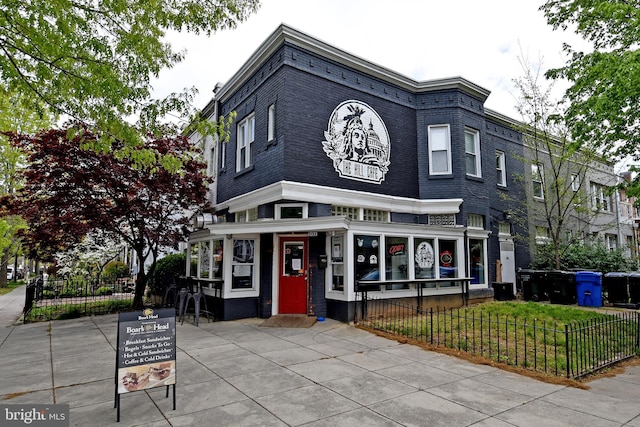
[[339, 170]]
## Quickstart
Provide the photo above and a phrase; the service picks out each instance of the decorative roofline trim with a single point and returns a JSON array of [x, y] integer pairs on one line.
[[285, 33], [301, 192]]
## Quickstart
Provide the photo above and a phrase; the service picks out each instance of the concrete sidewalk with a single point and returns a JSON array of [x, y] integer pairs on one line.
[[242, 374]]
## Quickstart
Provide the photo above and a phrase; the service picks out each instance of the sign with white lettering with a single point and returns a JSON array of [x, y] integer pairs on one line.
[[146, 350], [358, 142]]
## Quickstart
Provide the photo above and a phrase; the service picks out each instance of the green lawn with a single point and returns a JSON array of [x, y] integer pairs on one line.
[[11, 286], [555, 339]]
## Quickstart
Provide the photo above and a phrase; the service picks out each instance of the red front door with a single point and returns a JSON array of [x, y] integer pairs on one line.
[[292, 292]]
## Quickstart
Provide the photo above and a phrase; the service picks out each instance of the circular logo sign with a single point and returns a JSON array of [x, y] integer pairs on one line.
[[357, 141]]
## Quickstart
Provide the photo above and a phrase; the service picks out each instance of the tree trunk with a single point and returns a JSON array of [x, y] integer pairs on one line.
[[141, 282], [138, 297]]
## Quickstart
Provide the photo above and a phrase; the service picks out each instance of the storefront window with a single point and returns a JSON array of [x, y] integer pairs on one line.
[[243, 264], [217, 259], [193, 268], [337, 263], [447, 258], [424, 260], [476, 249], [396, 256], [205, 256], [367, 252]]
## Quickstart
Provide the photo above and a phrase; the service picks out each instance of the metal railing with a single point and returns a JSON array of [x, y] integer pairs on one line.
[[446, 284], [573, 350], [62, 299]]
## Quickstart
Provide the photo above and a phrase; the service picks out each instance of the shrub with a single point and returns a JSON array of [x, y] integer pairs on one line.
[[596, 257], [115, 270], [104, 290], [168, 269]]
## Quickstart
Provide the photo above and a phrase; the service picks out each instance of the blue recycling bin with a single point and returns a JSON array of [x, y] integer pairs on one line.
[[589, 288]]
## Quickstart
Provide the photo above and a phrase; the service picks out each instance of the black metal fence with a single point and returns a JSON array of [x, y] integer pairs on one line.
[[572, 350], [63, 299]]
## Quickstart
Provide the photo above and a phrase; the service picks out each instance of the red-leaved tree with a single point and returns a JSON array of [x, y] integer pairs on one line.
[[70, 190]]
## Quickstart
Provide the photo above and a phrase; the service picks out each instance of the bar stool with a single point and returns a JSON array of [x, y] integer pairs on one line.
[[196, 297], [173, 290]]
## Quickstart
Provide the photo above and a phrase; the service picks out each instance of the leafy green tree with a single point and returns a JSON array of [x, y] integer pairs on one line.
[[15, 115], [93, 61], [605, 84], [70, 191], [115, 270], [556, 172], [91, 256]]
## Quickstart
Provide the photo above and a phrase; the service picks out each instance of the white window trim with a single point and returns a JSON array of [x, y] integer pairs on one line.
[[540, 174], [502, 167], [331, 265], [575, 182], [271, 122], [228, 291], [475, 221], [448, 150], [223, 153], [245, 139], [279, 206], [476, 155]]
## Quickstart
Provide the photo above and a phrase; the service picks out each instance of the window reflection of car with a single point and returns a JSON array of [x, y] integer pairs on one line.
[[448, 272], [374, 274], [371, 275]]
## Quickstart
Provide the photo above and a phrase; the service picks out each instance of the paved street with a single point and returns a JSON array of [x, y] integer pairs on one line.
[[240, 373]]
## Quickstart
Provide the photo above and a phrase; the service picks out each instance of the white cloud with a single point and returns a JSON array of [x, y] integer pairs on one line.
[[422, 39]]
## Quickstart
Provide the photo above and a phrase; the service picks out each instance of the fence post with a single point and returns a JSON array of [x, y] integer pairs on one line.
[[638, 332], [566, 349], [431, 327]]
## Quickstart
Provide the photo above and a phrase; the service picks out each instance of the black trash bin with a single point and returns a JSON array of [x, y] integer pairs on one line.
[[502, 291], [562, 287], [634, 287], [614, 286], [589, 288], [533, 285]]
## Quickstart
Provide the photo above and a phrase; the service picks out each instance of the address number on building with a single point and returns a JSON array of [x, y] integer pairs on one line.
[[313, 234]]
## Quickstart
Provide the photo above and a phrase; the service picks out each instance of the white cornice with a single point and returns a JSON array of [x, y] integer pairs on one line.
[[285, 33], [294, 191]]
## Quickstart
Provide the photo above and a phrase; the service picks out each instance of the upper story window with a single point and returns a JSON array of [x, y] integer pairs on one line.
[[472, 152], [442, 219], [575, 182], [222, 154], [271, 122], [245, 138], [504, 228], [439, 150], [375, 215], [542, 234], [601, 198], [249, 215], [537, 176], [475, 221], [360, 214], [611, 241], [292, 211], [348, 211], [501, 168]]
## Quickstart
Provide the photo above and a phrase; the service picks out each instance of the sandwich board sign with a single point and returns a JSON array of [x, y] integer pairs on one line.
[[146, 353]]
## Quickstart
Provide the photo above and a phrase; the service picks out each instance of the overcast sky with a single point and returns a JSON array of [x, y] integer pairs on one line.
[[480, 40]]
